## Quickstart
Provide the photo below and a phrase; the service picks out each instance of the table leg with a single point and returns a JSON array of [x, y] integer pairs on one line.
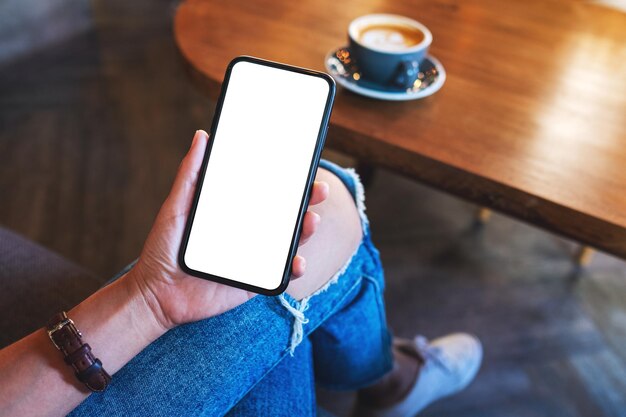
[[584, 255], [483, 215]]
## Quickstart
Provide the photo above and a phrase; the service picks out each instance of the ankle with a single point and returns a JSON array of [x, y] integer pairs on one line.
[[395, 385]]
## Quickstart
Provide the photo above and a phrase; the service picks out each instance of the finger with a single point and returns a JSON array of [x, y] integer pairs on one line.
[[298, 266], [181, 195], [319, 193], [309, 226]]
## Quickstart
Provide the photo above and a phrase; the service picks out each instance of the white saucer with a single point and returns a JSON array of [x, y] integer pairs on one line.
[[346, 73]]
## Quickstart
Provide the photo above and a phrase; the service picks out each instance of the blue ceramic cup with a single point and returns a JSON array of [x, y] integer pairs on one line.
[[388, 49]]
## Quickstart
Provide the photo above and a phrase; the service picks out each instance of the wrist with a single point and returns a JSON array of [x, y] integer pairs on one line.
[[148, 317]]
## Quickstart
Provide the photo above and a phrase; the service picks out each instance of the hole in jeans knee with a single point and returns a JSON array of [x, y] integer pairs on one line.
[[338, 236]]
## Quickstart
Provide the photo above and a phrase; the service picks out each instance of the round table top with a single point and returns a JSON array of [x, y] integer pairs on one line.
[[531, 120]]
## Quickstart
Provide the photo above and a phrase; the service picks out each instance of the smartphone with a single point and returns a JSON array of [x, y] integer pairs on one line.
[[265, 142]]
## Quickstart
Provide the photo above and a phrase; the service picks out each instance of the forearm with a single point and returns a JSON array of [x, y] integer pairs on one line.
[[115, 321]]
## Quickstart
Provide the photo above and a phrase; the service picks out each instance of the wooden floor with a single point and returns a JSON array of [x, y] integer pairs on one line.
[[92, 130], [554, 337]]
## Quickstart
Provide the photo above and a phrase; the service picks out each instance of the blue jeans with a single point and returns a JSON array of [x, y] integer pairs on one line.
[[265, 356]]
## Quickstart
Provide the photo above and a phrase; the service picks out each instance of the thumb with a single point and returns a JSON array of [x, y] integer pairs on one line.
[[179, 200]]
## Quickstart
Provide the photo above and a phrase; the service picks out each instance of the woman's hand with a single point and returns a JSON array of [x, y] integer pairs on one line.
[[173, 296]]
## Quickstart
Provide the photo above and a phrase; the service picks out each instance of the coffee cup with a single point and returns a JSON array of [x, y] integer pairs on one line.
[[388, 49]]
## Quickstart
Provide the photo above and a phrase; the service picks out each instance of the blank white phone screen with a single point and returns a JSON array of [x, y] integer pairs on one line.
[[256, 175]]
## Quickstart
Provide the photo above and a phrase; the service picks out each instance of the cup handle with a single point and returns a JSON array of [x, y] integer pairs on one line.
[[405, 74]]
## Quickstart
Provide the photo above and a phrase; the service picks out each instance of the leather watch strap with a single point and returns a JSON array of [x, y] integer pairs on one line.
[[77, 354]]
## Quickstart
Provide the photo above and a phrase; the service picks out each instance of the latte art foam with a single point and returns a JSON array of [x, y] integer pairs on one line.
[[390, 37]]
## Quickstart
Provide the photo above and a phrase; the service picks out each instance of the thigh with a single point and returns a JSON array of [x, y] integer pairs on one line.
[[205, 368], [202, 368], [287, 390]]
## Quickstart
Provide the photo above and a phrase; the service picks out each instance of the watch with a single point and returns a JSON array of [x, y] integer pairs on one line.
[[68, 339]]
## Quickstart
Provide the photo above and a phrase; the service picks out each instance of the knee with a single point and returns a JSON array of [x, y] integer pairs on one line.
[[339, 212], [338, 236]]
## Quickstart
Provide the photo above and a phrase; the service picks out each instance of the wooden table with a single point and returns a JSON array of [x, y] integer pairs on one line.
[[531, 121]]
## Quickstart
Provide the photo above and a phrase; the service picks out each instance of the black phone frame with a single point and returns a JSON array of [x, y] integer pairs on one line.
[[321, 138]]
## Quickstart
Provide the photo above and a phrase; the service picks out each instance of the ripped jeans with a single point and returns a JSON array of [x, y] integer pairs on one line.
[[264, 357]]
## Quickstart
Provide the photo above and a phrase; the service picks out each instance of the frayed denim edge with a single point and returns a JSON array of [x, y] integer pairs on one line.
[[360, 196], [301, 306]]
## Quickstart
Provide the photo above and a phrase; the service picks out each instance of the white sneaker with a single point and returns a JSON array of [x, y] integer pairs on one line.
[[450, 363]]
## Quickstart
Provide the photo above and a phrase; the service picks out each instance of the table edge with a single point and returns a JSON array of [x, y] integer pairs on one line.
[[538, 211]]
